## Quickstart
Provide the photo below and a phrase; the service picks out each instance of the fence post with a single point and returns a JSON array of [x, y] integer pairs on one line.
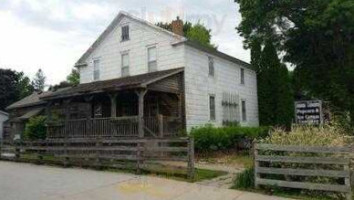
[[348, 182], [160, 123], [191, 170], [138, 156], [66, 158], [256, 164], [17, 150], [98, 146], [1, 144]]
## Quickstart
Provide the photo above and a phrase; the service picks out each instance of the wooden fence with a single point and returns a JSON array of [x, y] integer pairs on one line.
[[297, 167], [117, 153]]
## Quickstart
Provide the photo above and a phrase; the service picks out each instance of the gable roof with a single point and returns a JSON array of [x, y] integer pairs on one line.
[[111, 27], [30, 100], [129, 82], [182, 40], [215, 53]]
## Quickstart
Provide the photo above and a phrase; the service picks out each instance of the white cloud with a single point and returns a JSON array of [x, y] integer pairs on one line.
[[52, 35]]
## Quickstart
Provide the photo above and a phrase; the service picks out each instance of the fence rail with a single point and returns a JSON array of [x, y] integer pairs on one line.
[[158, 126], [122, 153], [295, 165]]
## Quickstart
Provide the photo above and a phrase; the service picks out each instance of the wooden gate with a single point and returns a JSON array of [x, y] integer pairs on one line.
[[294, 166]]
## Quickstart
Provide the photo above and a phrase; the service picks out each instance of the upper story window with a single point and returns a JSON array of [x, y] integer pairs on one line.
[[212, 107], [125, 33], [125, 64], [152, 59], [211, 66], [244, 110], [96, 69], [242, 72]]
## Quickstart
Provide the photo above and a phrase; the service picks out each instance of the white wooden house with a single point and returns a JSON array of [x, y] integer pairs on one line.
[[138, 70]]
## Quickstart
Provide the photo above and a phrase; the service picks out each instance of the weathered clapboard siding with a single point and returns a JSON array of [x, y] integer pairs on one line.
[[338, 156], [171, 84], [122, 153], [142, 36]]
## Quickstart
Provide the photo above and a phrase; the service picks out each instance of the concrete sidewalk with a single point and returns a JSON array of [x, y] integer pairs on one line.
[[19, 181]]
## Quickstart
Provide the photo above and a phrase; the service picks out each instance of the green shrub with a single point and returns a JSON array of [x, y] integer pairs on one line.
[[209, 138], [35, 128], [245, 179]]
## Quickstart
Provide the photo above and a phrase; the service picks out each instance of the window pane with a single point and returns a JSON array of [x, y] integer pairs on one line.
[[125, 71], [125, 33], [244, 111], [211, 66], [125, 60], [152, 66], [212, 107], [96, 69], [242, 76], [152, 56]]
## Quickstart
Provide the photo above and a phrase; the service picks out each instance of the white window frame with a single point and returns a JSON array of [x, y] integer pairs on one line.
[[212, 116], [96, 69], [125, 67], [242, 76], [243, 110], [211, 66], [123, 39], [149, 62]]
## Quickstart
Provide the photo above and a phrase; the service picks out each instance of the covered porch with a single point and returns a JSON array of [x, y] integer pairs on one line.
[[148, 105]]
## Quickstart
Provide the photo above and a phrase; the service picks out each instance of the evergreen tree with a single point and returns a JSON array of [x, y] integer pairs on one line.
[[316, 37], [275, 98], [38, 81]]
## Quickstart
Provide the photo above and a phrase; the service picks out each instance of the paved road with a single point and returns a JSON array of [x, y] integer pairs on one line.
[[20, 181]]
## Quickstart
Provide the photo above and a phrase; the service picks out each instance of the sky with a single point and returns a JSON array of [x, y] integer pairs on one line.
[[53, 34]]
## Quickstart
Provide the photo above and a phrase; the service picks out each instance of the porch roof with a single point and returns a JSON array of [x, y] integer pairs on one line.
[[129, 82]]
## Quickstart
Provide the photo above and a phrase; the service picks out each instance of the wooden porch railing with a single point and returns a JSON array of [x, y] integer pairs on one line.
[[160, 126]]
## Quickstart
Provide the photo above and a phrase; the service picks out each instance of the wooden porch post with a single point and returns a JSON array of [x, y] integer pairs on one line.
[[179, 97], [141, 94], [88, 125], [67, 116], [48, 111], [113, 98]]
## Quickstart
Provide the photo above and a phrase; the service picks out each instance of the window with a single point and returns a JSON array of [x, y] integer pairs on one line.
[[125, 33], [96, 69], [242, 76], [212, 107], [211, 66], [230, 107], [125, 64], [244, 110], [152, 59]]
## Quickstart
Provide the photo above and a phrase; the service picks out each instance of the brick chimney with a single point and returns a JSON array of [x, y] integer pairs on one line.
[[177, 26]]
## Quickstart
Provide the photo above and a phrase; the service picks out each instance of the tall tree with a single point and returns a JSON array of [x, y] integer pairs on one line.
[[274, 89], [74, 77], [13, 87], [197, 33], [38, 81], [316, 36], [24, 86]]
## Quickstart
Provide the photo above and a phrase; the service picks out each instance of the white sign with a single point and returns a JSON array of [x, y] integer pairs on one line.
[[309, 112]]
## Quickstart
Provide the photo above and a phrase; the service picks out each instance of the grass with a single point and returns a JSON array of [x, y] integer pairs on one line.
[[178, 173], [240, 159]]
